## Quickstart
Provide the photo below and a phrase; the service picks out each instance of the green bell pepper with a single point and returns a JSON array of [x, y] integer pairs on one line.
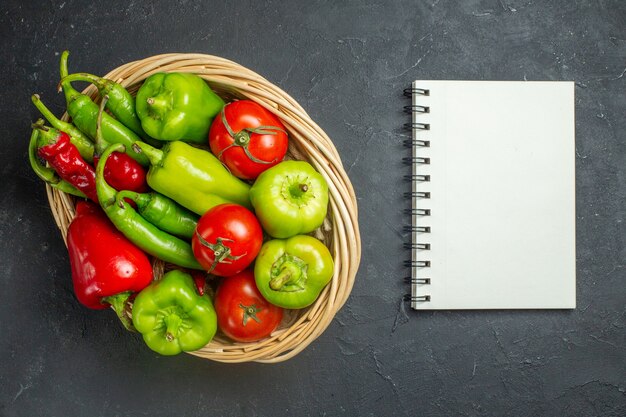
[[291, 273], [290, 198], [172, 317], [177, 106], [192, 177]]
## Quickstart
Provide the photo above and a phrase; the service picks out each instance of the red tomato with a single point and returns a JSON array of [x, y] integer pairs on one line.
[[247, 138], [242, 312], [227, 239]]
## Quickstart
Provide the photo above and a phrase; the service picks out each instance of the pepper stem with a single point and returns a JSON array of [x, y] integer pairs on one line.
[[141, 200], [82, 142], [154, 155], [299, 189], [158, 105], [99, 82], [118, 304], [66, 86], [47, 135], [172, 324], [45, 112], [289, 272]]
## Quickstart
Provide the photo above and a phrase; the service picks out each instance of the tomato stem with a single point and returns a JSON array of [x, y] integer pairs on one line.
[[249, 312], [221, 252]]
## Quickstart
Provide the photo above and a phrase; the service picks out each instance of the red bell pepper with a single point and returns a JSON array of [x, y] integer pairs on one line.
[[106, 267], [55, 147]]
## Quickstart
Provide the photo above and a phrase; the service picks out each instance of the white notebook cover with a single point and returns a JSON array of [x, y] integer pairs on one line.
[[502, 195]]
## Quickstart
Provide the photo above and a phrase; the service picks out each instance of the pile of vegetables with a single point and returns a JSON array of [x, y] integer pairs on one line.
[[178, 174]]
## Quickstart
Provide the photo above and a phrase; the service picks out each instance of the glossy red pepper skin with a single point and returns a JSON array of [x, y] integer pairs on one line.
[[104, 263], [65, 159], [124, 173]]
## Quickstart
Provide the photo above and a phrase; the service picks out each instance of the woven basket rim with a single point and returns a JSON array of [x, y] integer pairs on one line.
[[307, 141]]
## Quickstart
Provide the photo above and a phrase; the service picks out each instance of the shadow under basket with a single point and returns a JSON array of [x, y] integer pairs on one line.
[[307, 141]]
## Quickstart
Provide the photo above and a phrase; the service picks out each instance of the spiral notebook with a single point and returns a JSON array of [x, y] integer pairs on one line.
[[493, 195]]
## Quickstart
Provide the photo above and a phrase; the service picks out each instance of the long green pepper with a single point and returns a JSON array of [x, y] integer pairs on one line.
[[137, 229], [192, 177], [121, 103], [162, 212], [84, 113]]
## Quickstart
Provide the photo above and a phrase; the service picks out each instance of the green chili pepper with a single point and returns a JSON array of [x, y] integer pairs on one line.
[[192, 177], [172, 317], [121, 103], [291, 273], [290, 198], [177, 106], [77, 138], [84, 113], [45, 173], [162, 212], [137, 229]]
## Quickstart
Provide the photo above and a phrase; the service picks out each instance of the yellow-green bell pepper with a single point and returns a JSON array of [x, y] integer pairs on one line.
[[291, 273], [290, 198], [192, 177]]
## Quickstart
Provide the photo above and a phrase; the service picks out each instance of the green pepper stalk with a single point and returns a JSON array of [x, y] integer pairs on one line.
[[291, 273], [177, 106], [172, 317], [121, 103], [137, 229], [77, 138], [192, 177], [84, 113], [162, 212], [290, 198], [45, 173]]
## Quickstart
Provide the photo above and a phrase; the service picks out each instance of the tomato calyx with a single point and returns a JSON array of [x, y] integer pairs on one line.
[[221, 252], [242, 138], [249, 312]]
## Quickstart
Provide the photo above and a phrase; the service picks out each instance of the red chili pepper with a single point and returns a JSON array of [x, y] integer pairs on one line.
[[199, 278], [124, 173], [55, 147], [106, 267], [121, 171]]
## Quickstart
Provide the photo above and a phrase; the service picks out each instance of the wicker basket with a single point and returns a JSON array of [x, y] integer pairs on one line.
[[340, 231]]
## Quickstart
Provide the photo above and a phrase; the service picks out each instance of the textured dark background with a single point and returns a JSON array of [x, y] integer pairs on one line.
[[347, 65]]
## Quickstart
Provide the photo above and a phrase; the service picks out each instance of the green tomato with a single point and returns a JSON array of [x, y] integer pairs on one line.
[[290, 198], [172, 317]]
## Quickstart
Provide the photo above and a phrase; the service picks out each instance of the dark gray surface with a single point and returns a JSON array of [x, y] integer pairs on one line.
[[347, 65]]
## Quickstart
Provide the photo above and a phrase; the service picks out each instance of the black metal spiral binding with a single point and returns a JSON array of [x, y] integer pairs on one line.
[[408, 92], [417, 194], [409, 143], [412, 298], [417, 229], [418, 126], [414, 162]]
